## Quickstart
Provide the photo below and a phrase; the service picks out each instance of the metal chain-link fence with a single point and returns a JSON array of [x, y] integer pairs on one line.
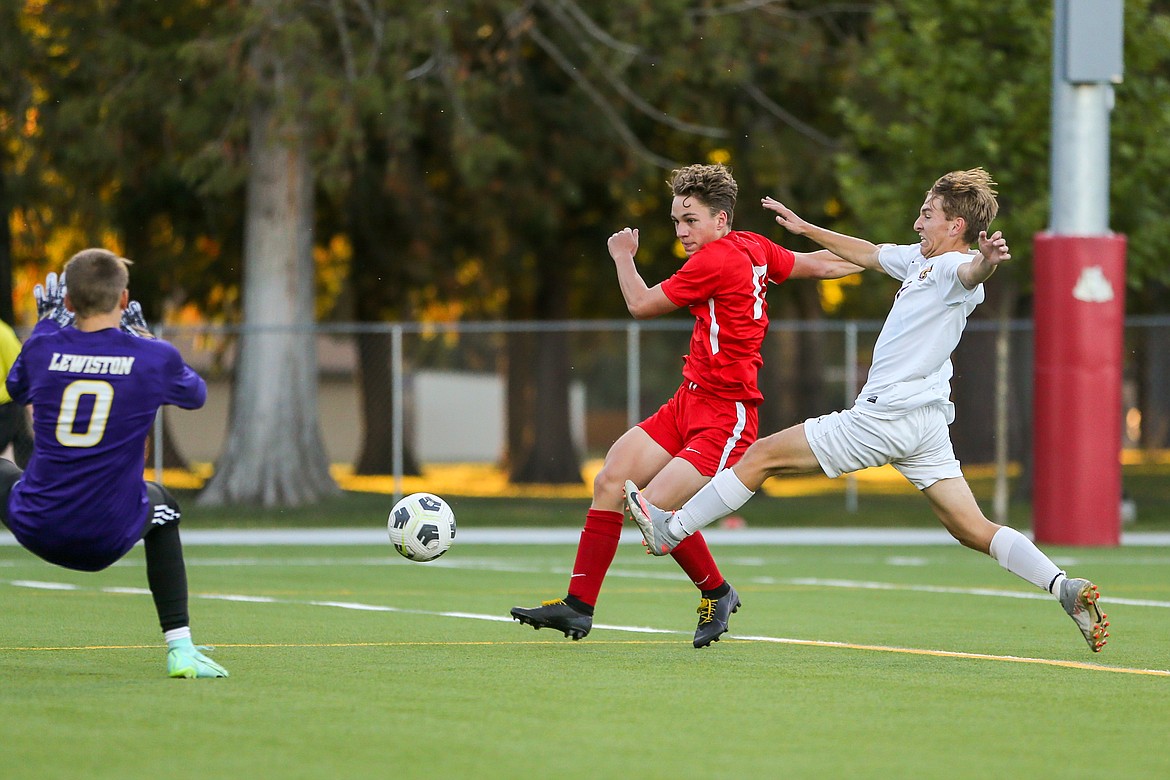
[[399, 396]]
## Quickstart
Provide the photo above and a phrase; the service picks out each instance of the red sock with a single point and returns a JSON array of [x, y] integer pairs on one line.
[[595, 552], [695, 558]]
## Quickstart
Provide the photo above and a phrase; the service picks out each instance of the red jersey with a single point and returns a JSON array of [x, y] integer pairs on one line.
[[724, 285]]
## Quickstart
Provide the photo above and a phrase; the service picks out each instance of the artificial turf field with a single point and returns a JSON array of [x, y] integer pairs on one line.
[[347, 661]]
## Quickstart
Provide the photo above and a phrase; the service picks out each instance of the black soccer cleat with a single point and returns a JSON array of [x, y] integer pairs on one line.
[[556, 614], [713, 617]]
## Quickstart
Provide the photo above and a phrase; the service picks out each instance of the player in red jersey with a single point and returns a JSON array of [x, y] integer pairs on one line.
[[711, 419]]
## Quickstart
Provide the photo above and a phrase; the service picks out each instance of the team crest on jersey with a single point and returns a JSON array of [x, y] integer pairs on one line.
[[925, 271]]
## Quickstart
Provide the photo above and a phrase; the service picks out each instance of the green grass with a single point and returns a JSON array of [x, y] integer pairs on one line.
[[325, 691]]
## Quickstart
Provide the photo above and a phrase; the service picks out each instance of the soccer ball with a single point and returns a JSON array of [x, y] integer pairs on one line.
[[422, 527]]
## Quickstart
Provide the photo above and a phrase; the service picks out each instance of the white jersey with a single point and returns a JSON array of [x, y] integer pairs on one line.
[[912, 357]]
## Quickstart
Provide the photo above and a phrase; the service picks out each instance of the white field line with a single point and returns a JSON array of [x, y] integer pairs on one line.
[[361, 607], [496, 565], [374, 536], [489, 564]]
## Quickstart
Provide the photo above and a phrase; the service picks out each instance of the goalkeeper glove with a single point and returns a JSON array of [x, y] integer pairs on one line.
[[50, 299], [133, 322]]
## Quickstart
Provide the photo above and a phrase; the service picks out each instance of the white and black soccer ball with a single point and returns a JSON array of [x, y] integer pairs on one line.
[[422, 527]]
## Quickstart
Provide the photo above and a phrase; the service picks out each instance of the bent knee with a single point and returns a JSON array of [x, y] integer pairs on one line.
[[975, 533], [608, 485], [164, 507]]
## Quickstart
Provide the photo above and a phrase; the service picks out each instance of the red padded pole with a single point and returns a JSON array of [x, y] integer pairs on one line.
[[1079, 324]]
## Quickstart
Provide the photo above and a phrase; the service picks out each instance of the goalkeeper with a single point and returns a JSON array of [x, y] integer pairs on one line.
[[96, 378]]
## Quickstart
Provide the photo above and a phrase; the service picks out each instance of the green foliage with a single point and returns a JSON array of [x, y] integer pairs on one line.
[[1140, 188], [499, 143], [111, 140], [946, 85]]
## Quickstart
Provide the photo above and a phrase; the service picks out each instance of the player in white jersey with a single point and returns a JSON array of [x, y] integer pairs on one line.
[[902, 413]]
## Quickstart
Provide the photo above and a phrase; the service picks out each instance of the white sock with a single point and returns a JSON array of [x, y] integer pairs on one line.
[[177, 634], [718, 498], [1016, 553], [1054, 588]]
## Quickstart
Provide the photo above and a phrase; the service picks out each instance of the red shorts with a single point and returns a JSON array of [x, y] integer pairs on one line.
[[710, 433]]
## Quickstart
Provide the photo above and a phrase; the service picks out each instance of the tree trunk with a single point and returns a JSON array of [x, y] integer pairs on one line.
[[6, 312], [778, 409], [172, 456], [274, 454], [540, 442], [377, 453], [518, 402], [1154, 400], [810, 384], [545, 451], [973, 385], [381, 274], [1023, 365], [792, 378]]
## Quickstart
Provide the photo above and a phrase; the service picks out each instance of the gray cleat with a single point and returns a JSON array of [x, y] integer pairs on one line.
[[713, 617], [1079, 599], [652, 522]]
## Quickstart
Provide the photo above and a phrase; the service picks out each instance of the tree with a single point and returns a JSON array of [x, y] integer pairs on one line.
[[15, 99], [1140, 190], [385, 269], [944, 86], [275, 455], [919, 107], [573, 116]]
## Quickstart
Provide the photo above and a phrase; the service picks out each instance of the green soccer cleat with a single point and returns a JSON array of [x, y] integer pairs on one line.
[[185, 660]]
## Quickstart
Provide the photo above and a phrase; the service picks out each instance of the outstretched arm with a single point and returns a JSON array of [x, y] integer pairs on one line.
[[822, 264], [993, 250], [854, 250], [642, 301]]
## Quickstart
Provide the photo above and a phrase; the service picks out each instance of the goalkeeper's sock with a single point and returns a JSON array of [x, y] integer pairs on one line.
[[1016, 553], [178, 636], [718, 498]]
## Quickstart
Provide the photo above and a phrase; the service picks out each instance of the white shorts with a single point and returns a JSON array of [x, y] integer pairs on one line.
[[917, 444]]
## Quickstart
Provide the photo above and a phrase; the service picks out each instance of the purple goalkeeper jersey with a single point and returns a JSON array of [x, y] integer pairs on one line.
[[81, 503]]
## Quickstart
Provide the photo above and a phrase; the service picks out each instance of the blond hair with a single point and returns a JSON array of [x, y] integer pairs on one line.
[[970, 195]]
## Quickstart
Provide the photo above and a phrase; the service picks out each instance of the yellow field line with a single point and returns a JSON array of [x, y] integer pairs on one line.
[[1091, 667], [959, 654], [329, 644]]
